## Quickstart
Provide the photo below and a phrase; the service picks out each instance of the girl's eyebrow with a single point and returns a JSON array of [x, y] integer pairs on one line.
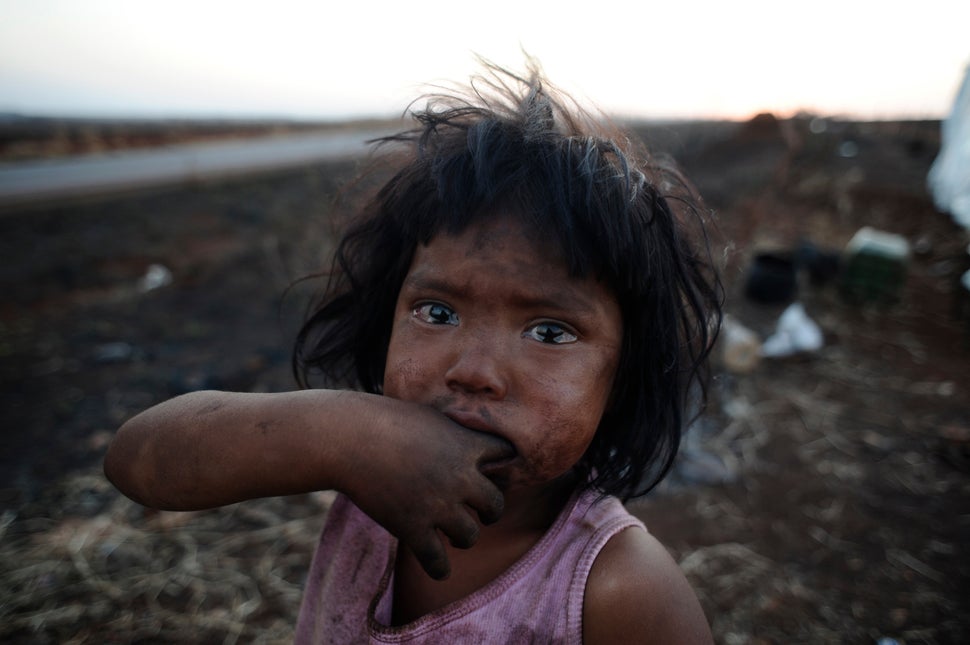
[[420, 281], [570, 300]]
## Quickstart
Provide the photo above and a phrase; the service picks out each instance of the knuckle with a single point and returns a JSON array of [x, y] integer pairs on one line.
[[466, 538]]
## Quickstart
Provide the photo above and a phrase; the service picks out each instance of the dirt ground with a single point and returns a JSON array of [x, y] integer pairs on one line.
[[823, 498]]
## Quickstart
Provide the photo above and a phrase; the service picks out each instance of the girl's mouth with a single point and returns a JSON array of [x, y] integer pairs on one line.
[[480, 421]]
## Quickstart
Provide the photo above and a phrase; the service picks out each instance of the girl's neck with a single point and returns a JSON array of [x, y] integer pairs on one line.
[[534, 509], [528, 515]]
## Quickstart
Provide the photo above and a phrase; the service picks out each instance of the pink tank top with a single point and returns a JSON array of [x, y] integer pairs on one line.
[[539, 599]]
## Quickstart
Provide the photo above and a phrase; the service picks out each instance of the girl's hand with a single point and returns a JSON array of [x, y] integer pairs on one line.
[[420, 475]]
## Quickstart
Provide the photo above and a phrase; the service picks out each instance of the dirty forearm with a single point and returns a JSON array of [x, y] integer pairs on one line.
[[208, 449]]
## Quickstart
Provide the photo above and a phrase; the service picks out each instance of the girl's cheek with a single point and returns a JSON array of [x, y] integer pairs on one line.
[[564, 442], [568, 419], [401, 378]]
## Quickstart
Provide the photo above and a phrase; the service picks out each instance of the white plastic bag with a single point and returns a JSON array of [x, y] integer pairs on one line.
[[949, 178], [796, 333]]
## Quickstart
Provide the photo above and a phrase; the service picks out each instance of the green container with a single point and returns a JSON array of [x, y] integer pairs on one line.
[[875, 266]]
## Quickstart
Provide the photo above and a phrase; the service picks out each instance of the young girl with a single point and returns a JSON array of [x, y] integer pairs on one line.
[[518, 314]]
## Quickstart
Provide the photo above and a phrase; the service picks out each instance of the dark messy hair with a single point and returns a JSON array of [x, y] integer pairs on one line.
[[513, 144]]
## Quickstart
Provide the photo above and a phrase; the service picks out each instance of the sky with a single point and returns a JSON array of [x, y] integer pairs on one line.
[[330, 59]]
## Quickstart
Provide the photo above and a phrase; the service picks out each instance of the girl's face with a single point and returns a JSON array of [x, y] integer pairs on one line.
[[491, 330]]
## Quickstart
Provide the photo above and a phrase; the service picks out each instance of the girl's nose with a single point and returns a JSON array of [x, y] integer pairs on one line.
[[477, 369]]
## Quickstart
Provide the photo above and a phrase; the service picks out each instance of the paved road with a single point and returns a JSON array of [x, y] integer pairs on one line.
[[36, 181]]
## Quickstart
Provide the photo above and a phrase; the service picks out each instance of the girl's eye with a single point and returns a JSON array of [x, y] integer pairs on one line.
[[435, 313], [549, 332]]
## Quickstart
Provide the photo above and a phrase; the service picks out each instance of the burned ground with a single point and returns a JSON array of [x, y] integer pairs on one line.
[[823, 498]]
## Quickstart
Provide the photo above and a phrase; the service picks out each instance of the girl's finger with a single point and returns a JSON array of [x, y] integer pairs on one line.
[[494, 449], [462, 531], [488, 501], [432, 557]]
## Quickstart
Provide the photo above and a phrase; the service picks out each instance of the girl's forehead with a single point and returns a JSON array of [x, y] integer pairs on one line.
[[503, 255], [501, 236]]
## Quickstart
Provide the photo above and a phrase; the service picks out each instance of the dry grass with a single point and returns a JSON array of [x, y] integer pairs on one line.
[[125, 574]]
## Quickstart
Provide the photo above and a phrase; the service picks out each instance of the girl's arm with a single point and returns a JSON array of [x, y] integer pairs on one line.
[[411, 469], [636, 593]]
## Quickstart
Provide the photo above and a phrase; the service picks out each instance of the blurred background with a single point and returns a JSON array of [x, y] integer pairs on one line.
[[315, 60], [168, 171]]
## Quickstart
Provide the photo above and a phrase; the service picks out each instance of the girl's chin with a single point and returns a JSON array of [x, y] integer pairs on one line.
[[519, 482]]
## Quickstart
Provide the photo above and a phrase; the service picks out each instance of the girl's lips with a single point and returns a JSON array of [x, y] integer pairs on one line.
[[471, 421]]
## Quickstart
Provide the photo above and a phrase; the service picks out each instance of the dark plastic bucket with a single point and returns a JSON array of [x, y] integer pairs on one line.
[[771, 279]]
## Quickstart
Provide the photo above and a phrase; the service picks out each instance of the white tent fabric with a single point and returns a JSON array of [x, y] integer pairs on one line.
[[949, 178]]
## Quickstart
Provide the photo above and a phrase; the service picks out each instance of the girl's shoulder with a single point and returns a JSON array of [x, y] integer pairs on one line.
[[636, 591]]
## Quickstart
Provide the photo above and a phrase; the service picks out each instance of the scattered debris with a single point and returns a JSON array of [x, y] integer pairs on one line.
[[875, 265], [740, 347], [771, 278], [155, 277], [115, 352], [822, 265], [796, 333]]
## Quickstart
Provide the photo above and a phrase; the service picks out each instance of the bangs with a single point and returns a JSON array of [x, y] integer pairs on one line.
[[580, 194]]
